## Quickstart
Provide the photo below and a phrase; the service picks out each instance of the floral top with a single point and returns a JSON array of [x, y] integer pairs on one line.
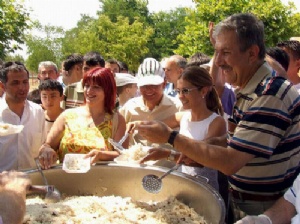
[[81, 136]]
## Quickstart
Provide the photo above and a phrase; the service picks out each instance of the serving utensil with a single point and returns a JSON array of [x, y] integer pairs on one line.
[[52, 194], [118, 145], [153, 183]]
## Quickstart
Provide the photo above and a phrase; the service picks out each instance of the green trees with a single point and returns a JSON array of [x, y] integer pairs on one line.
[[14, 20], [45, 45], [280, 21], [120, 40], [127, 31], [167, 26]]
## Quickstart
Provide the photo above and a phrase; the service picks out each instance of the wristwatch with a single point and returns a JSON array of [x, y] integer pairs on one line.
[[172, 137]]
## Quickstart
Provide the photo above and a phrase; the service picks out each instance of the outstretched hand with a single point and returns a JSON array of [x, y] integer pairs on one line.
[[211, 30], [156, 154], [47, 156], [154, 131]]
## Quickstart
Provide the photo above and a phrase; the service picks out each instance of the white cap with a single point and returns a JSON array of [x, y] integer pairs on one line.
[[123, 79], [150, 72]]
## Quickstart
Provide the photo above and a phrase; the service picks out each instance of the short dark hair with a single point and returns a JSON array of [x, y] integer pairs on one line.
[[94, 58], [72, 60], [34, 96], [198, 59], [123, 66], [50, 84], [279, 55], [114, 62], [293, 46], [11, 66]]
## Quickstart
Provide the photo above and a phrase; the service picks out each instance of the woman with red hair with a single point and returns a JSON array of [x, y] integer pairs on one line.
[[86, 129]]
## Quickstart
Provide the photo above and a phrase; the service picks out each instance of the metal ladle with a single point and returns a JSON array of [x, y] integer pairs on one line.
[[52, 194], [153, 183]]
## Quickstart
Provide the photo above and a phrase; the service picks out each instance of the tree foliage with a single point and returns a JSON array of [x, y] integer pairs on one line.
[[14, 20], [167, 26], [120, 40], [44, 44], [132, 9], [280, 22]]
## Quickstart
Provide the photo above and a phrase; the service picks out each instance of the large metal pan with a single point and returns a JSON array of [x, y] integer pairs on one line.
[[110, 178]]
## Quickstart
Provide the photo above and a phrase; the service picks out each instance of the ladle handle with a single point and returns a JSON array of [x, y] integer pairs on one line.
[[122, 140], [37, 162], [171, 170], [37, 189]]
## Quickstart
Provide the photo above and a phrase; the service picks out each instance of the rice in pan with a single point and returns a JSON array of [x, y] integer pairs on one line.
[[109, 209]]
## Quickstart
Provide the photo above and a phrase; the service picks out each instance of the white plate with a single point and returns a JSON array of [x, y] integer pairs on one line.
[[125, 159], [75, 163], [10, 129]]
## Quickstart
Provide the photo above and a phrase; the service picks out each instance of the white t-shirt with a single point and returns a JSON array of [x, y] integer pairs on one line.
[[17, 151]]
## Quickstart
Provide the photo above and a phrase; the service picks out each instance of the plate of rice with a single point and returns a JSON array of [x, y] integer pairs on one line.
[[10, 129], [134, 155], [76, 163]]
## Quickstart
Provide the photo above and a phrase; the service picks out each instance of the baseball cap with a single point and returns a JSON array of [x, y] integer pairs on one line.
[[150, 72], [123, 79]]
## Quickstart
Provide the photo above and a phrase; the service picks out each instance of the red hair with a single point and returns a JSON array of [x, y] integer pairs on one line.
[[104, 78]]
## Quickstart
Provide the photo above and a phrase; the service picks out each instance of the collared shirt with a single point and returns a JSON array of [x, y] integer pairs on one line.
[[169, 89], [297, 86], [17, 151], [74, 96], [266, 115], [136, 110]]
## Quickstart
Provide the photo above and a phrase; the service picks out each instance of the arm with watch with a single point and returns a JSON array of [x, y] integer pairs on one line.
[[169, 154]]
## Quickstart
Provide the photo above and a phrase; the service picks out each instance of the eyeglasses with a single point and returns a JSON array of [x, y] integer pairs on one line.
[[185, 91]]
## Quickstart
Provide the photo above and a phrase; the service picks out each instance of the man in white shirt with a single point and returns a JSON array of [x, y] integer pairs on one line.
[[17, 151]]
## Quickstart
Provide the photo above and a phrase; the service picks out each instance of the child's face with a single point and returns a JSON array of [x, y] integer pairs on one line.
[[50, 99]]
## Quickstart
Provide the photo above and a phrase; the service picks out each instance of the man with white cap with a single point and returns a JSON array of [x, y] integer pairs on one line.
[[153, 104], [126, 87]]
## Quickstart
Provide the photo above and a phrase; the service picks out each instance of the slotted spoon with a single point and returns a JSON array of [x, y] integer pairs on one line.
[[153, 183]]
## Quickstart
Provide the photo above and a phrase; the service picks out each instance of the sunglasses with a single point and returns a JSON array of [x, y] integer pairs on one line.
[[185, 91]]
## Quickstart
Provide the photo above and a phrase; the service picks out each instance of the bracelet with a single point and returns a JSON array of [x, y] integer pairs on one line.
[[172, 137], [171, 157]]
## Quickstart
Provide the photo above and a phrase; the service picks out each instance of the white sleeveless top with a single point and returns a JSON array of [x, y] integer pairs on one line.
[[198, 130]]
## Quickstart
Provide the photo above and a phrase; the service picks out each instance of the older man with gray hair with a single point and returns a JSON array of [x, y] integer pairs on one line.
[[47, 70], [173, 68]]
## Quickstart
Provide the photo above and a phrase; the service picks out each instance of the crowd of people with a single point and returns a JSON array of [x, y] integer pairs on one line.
[[232, 118]]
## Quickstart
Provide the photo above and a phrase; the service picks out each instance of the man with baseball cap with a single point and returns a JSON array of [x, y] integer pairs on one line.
[[153, 104], [126, 87]]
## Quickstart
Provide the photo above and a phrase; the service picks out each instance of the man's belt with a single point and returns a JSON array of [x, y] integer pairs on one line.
[[254, 197]]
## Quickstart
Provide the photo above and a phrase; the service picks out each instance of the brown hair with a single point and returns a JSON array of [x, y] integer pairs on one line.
[[200, 78]]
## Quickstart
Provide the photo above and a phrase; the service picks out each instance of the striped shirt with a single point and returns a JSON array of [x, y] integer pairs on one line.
[[266, 115], [74, 96]]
